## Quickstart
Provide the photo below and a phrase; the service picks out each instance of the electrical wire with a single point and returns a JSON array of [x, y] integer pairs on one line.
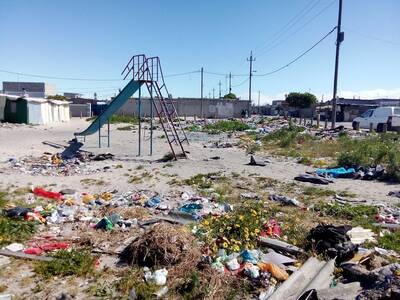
[[371, 37], [81, 79], [292, 22], [281, 68], [181, 74], [215, 73], [243, 82], [55, 77], [273, 45], [298, 57]]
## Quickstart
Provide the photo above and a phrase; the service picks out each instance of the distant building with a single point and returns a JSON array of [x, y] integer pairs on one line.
[[348, 109], [276, 107], [31, 89], [72, 95]]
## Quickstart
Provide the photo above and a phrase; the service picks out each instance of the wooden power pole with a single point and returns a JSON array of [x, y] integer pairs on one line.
[[339, 40]]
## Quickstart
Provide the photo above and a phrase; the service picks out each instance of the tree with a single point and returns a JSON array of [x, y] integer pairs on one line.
[[230, 96], [57, 97], [301, 100]]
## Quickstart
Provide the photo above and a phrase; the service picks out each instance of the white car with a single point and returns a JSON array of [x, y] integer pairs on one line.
[[378, 117]]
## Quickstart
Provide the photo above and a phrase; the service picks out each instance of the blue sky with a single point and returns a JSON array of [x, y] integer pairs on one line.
[[95, 39]]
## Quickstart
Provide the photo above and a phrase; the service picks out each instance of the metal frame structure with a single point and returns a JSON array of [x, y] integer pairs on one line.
[[149, 72]]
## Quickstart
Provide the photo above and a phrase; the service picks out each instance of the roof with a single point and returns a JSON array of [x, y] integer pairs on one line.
[[37, 100], [369, 102]]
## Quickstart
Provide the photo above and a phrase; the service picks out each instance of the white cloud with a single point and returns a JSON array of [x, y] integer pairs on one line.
[[372, 94], [264, 99]]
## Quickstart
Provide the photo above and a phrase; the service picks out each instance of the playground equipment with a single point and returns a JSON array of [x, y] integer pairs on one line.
[[147, 72]]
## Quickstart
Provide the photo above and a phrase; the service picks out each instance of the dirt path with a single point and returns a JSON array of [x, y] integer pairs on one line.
[[27, 140]]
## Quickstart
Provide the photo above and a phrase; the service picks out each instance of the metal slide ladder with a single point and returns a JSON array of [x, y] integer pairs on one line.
[[149, 72]]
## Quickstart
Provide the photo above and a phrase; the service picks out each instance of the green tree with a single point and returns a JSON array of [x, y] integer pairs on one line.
[[57, 97], [230, 96], [301, 100]]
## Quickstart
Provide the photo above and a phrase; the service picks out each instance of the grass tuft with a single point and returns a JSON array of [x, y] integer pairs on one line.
[[115, 119], [390, 241]]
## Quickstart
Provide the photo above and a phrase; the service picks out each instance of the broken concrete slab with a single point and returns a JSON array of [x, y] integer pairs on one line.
[[24, 256], [291, 288], [280, 245], [323, 278], [347, 291]]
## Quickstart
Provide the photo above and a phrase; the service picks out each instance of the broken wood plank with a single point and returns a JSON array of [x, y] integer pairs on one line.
[[24, 256]]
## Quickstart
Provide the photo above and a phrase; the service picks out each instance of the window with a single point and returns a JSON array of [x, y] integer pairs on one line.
[[368, 113], [396, 111]]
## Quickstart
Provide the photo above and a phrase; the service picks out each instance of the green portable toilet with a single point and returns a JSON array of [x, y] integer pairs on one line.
[[16, 110]]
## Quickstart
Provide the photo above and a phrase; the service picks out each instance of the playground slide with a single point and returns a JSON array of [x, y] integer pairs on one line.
[[112, 108]]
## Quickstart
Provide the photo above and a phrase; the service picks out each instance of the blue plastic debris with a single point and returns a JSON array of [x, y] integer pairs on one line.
[[153, 202], [249, 256], [337, 172], [191, 208]]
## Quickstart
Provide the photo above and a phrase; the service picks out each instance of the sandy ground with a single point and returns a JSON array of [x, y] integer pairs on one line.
[[27, 140]]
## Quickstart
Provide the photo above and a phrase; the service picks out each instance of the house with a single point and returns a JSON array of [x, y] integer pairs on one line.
[[30, 89], [348, 109], [72, 95]]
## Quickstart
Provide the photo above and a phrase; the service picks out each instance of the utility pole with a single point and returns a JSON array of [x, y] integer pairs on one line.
[[339, 39], [219, 84], [251, 59], [259, 92], [201, 83], [201, 93], [213, 93], [230, 82]]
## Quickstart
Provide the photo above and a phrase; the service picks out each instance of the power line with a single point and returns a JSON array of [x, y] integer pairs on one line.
[[298, 57], [273, 46], [182, 74], [368, 36], [243, 82], [215, 73], [83, 79], [297, 16], [55, 77], [293, 21]]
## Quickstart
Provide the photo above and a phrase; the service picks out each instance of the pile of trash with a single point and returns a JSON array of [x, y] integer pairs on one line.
[[327, 176], [223, 243], [56, 165]]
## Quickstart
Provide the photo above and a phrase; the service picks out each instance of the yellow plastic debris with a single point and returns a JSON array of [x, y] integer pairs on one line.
[[86, 198]]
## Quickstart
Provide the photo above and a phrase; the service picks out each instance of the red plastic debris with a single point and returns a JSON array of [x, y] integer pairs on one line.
[[51, 246], [272, 228], [33, 251], [38, 191], [54, 246]]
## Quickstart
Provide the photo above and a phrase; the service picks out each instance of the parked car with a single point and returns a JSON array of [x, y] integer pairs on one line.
[[378, 117]]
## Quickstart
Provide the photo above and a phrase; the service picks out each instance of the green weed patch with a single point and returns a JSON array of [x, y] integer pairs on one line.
[[13, 230], [225, 126], [66, 263]]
